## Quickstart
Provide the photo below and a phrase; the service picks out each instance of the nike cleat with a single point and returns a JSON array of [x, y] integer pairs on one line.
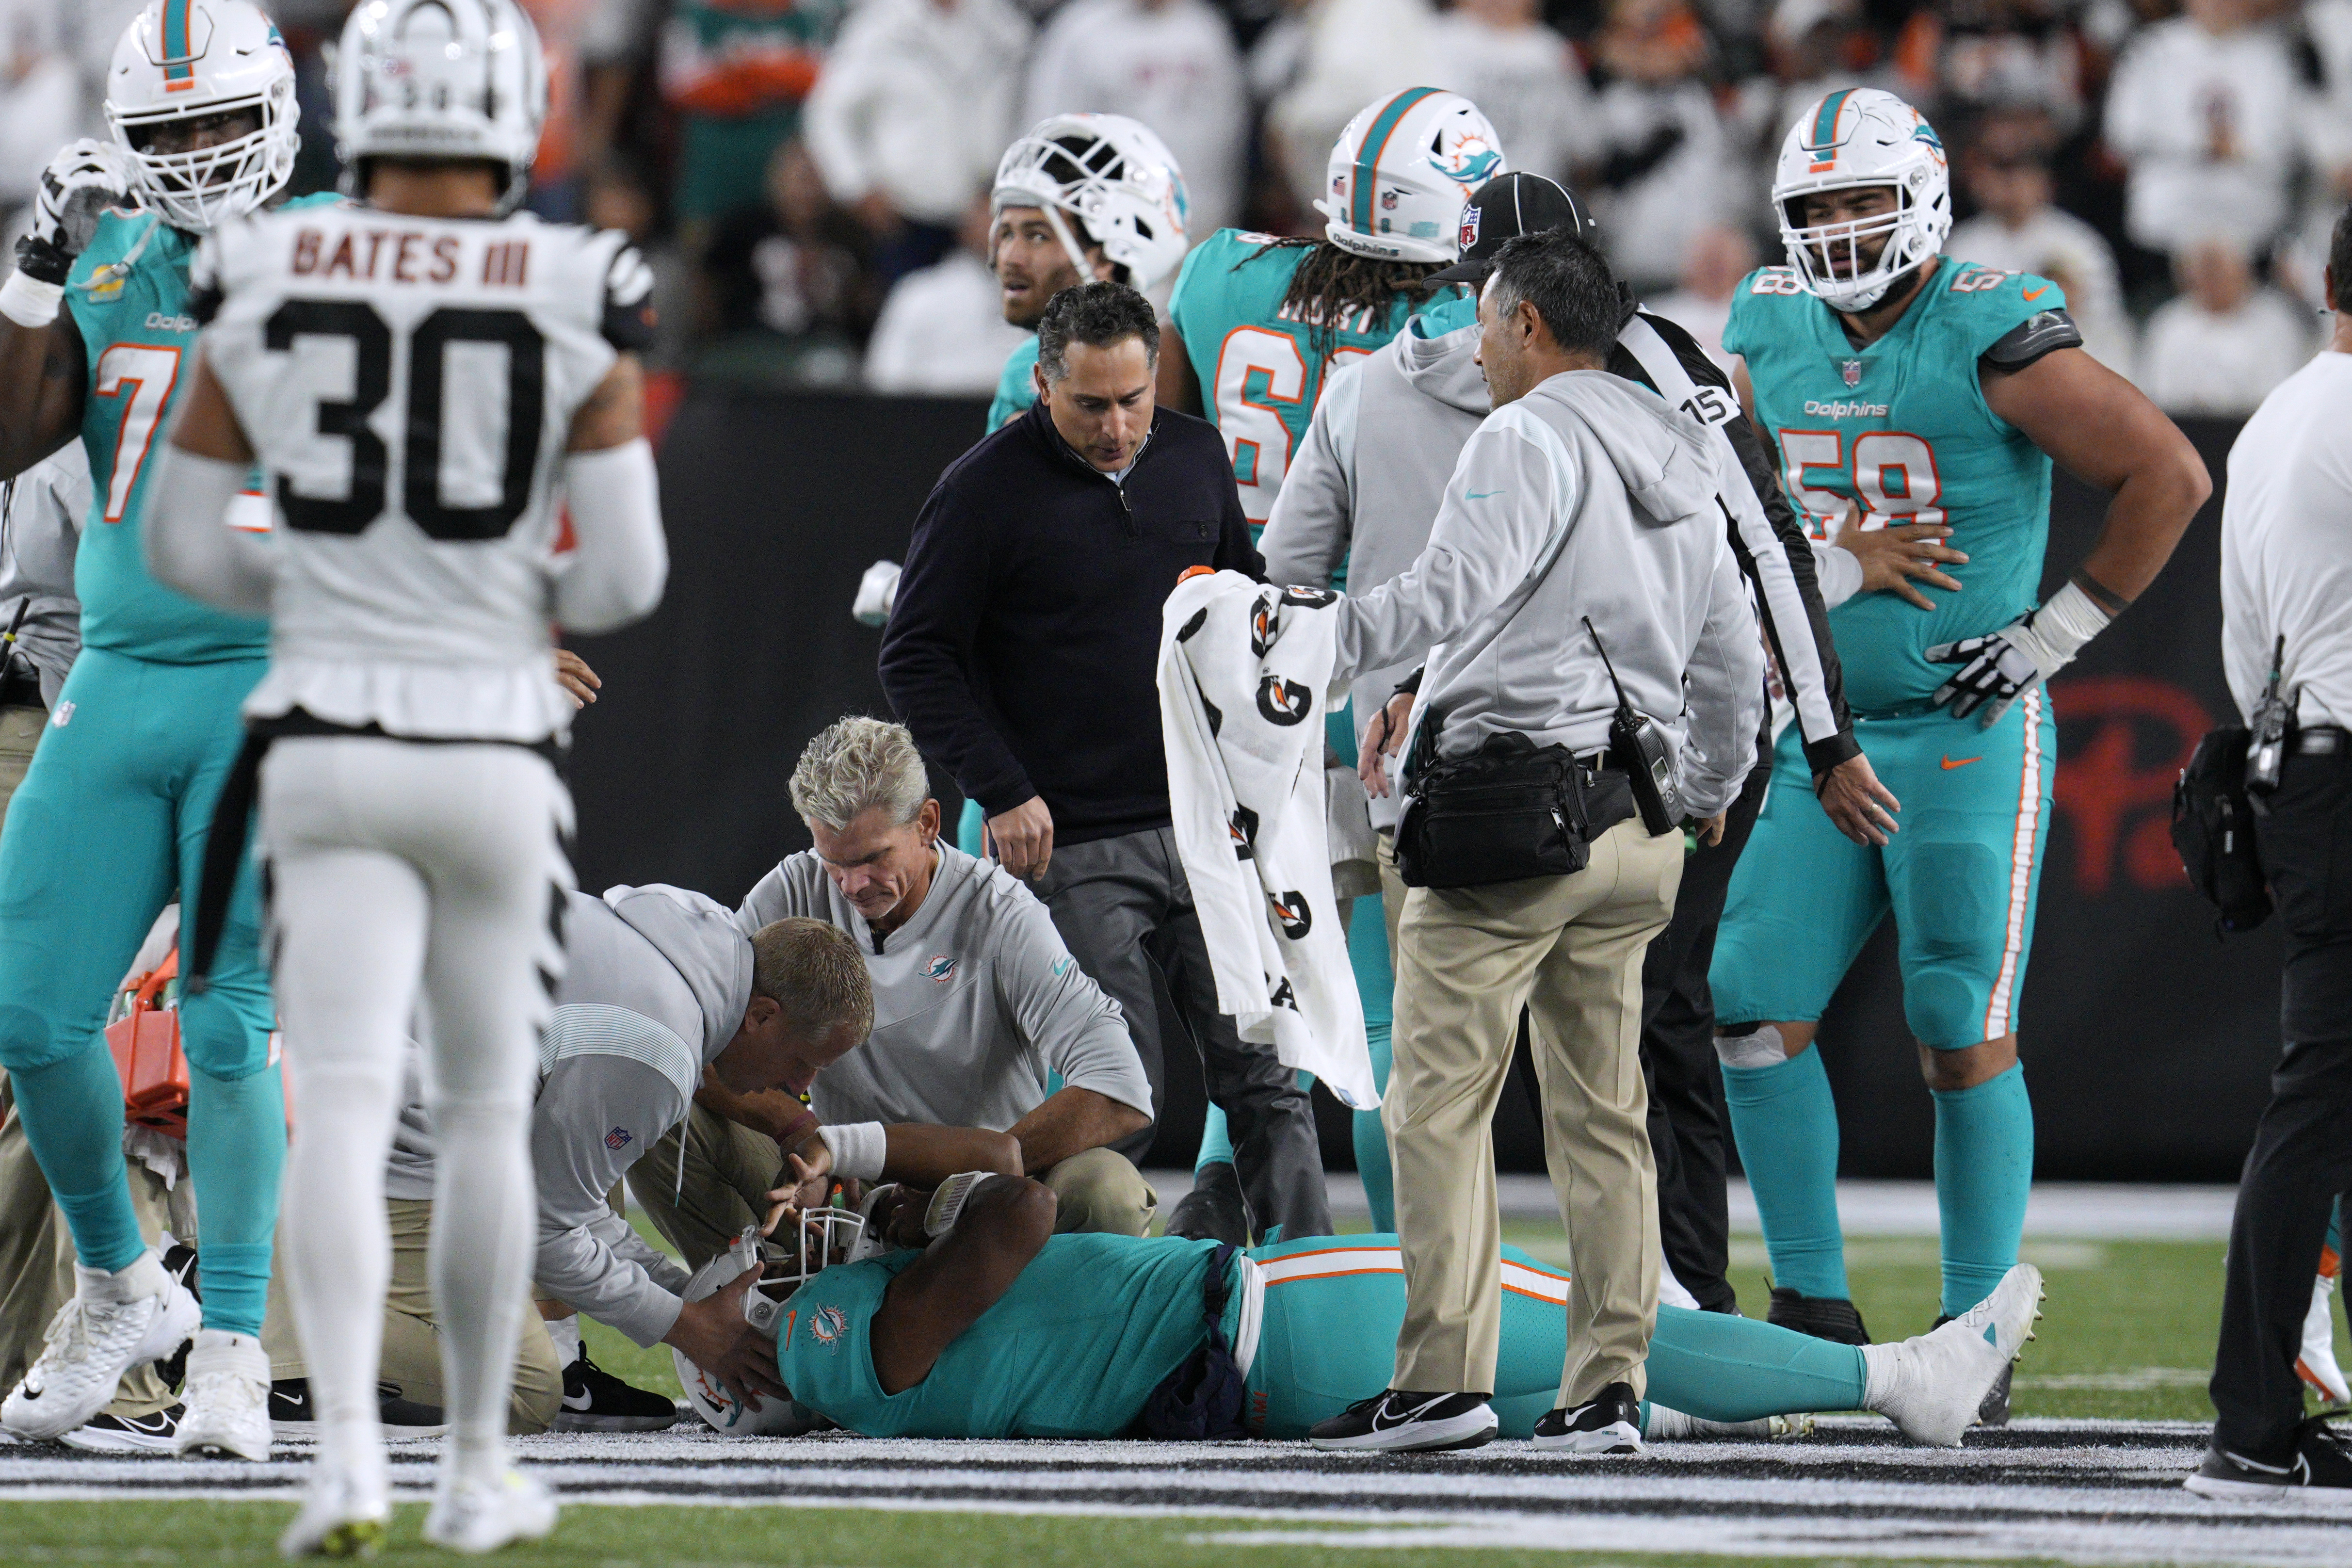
[[474, 1517], [597, 1401], [1831, 1318], [1611, 1422], [2317, 1474], [2315, 1362], [152, 1434], [1396, 1420], [228, 1396], [112, 1323], [1994, 1411], [1932, 1386], [292, 1414], [1660, 1424]]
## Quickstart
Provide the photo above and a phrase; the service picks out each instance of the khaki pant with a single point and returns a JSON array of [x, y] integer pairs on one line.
[[1568, 949], [730, 1169], [36, 1255], [412, 1343]]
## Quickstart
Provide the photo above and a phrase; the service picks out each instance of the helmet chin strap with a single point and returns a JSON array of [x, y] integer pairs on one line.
[[1079, 264]]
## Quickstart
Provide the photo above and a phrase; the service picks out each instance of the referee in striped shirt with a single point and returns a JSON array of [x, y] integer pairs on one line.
[[1334, 512]]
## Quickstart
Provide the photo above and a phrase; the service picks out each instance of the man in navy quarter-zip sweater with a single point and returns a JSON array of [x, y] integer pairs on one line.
[[1021, 653]]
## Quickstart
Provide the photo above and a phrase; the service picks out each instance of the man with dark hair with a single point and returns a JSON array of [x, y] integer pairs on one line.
[[1580, 527], [1022, 654]]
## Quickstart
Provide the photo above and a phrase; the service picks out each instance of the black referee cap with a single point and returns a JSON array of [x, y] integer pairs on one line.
[[1505, 207]]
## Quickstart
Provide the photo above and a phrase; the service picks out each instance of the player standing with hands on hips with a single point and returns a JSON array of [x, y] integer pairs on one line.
[[427, 374], [1920, 391]]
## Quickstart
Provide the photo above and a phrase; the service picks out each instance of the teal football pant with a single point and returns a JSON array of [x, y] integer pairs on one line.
[[108, 827], [1334, 1306]]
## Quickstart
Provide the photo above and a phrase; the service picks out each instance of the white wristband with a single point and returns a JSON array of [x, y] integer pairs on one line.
[[947, 1203], [29, 302], [858, 1150], [2070, 618]]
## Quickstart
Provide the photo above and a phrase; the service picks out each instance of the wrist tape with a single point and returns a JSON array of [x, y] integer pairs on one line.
[[947, 1203], [2066, 620], [858, 1149], [29, 302]]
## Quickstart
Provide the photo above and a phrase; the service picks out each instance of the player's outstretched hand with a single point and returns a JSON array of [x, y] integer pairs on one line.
[[716, 1337], [1022, 839], [579, 682], [1995, 671], [81, 181], [1862, 808], [1382, 737], [1892, 556], [810, 1183]]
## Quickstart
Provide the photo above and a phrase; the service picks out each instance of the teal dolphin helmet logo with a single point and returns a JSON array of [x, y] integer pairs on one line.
[[1472, 168]]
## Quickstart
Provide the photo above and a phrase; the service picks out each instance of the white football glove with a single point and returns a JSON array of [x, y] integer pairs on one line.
[[876, 592], [1996, 670], [81, 183]]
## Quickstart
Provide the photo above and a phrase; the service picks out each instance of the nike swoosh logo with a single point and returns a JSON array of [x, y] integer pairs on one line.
[[578, 1401], [1479, 495], [2244, 1463], [2032, 294], [296, 1400], [1950, 763]]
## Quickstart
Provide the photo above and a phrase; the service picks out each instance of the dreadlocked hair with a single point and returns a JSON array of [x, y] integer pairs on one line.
[[1333, 284]]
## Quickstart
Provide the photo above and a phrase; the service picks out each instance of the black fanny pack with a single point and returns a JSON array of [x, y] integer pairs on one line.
[[2213, 829], [1201, 1400], [1505, 813]]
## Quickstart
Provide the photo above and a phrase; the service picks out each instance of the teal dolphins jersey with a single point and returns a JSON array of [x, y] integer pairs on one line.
[[1016, 389], [1073, 1350], [1902, 428], [128, 295], [1259, 372]]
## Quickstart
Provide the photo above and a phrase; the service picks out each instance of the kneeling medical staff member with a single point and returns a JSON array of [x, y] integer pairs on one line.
[[1581, 498], [976, 1001], [662, 986]]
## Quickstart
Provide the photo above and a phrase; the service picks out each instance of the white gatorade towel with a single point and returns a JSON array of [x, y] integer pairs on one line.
[[1244, 683]]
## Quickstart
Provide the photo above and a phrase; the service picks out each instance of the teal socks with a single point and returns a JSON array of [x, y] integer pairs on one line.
[[1984, 1170], [971, 827], [1784, 1122], [1367, 953], [1216, 1141], [1720, 1367], [73, 1112], [236, 1151]]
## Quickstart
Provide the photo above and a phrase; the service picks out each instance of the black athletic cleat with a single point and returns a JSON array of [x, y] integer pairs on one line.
[[180, 1263], [1831, 1318], [1610, 1424], [1397, 1421], [1994, 1411], [597, 1401], [2317, 1474], [290, 1415], [1214, 1210], [156, 1433]]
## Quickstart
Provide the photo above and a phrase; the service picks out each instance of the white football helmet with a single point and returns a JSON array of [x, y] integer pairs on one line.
[[822, 1238], [1401, 171], [1112, 174], [1858, 137], [440, 79], [187, 59]]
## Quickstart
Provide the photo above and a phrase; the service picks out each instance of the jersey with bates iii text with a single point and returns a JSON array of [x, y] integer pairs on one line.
[[128, 295], [1903, 426], [1259, 371], [410, 384]]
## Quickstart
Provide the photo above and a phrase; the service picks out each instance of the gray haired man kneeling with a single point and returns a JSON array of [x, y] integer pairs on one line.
[[1580, 517], [976, 1001]]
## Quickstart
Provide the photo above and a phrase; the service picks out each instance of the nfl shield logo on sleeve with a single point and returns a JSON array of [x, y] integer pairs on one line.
[[619, 1138]]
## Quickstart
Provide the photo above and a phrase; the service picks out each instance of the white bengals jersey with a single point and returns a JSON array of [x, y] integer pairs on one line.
[[409, 385]]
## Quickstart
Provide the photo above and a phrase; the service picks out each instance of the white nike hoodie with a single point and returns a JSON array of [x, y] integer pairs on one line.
[[1589, 497]]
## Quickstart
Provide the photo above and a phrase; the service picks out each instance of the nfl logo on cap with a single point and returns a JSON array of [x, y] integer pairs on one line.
[[1469, 236]]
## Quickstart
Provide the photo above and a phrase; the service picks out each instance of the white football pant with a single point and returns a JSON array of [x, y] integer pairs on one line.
[[418, 881]]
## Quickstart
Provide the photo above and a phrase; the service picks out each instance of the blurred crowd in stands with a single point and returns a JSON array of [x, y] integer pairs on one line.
[[810, 177]]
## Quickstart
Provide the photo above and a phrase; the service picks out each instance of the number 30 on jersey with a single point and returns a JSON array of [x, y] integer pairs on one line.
[[1892, 472]]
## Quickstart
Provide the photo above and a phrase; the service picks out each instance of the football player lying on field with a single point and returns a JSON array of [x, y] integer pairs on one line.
[[958, 1313]]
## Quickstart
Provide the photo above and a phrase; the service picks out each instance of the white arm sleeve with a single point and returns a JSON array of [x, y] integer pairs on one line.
[[1838, 573], [190, 545], [616, 574]]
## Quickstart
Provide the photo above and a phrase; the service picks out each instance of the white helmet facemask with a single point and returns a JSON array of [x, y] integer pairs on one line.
[[803, 1247], [1115, 177], [183, 61], [1862, 139]]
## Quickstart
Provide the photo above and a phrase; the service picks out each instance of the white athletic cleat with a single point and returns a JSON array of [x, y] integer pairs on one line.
[[1662, 1423], [343, 1514], [1932, 1385], [475, 1516], [114, 1323], [228, 1396], [2315, 1362]]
